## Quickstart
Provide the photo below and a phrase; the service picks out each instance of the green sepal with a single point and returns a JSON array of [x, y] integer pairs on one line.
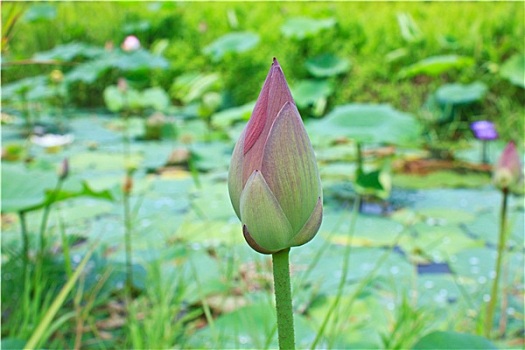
[[262, 215]]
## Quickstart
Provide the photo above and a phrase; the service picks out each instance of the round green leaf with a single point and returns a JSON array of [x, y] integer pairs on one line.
[[459, 94], [308, 92], [327, 65], [514, 70], [303, 27], [232, 42]]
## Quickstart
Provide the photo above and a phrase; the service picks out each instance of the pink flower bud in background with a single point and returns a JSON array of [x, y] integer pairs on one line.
[[508, 171], [274, 183], [122, 85], [131, 43], [63, 172], [109, 46]]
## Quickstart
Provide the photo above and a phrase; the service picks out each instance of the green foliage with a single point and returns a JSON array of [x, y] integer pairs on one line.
[[514, 70], [437, 65], [442, 340], [301, 28], [370, 123], [459, 94], [327, 65], [231, 43]]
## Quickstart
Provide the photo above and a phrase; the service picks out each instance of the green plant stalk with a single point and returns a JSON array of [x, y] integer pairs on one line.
[[25, 243], [65, 248], [491, 307], [45, 215], [283, 299], [127, 243], [57, 303], [346, 263]]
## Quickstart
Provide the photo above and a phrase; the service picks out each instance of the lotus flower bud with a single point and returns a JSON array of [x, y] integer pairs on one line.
[[131, 43], [128, 184], [508, 171], [274, 183], [63, 171], [122, 85]]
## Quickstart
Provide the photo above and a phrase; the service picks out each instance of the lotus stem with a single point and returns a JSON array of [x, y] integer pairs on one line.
[[283, 299], [127, 243], [45, 215], [25, 243], [499, 262]]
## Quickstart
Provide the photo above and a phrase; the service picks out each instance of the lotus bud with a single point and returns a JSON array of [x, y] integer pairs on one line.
[[127, 186], [63, 171], [122, 85], [131, 43], [508, 171], [273, 182]]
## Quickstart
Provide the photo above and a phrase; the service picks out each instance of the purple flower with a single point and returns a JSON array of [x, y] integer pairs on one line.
[[484, 130]]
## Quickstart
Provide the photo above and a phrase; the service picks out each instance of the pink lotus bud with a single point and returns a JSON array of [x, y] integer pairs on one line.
[[131, 43], [127, 186], [508, 171], [274, 183], [63, 172], [122, 85]]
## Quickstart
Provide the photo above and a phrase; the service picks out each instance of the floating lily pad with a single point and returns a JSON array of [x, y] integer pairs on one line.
[[436, 243], [514, 70], [235, 334], [453, 340], [103, 161], [375, 123], [371, 231], [445, 216], [327, 65], [437, 65], [441, 179], [460, 94], [231, 43], [308, 92], [303, 27]]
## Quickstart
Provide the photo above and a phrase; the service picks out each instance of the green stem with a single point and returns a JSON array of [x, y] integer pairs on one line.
[[127, 242], [283, 299], [499, 260], [25, 244], [45, 216]]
